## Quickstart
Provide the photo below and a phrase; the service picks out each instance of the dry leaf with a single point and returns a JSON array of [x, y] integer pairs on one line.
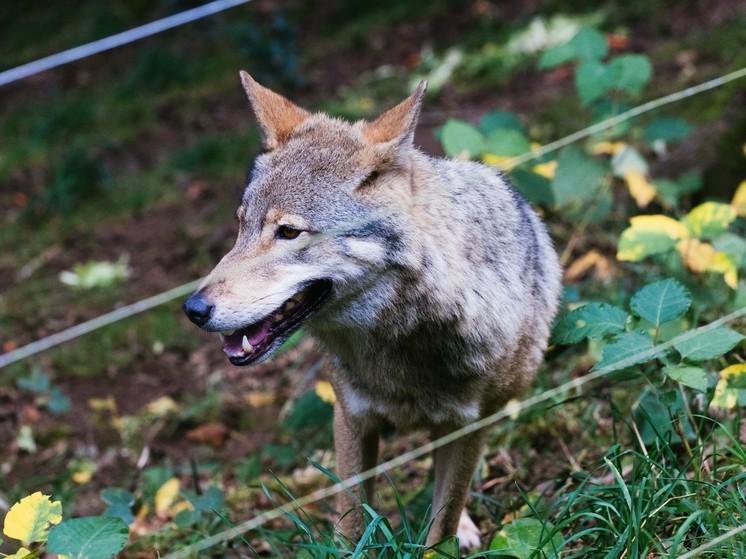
[[213, 434]]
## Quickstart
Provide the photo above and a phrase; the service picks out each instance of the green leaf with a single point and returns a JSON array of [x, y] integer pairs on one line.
[[648, 235], [589, 43], [628, 159], [693, 377], [628, 345], [458, 137], [556, 55], [709, 344], [733, 245], [661, 301], [212, 500], [29, 519], [631, 72], [507, 142], [524, 537], [594, 321], [592, 80], [533, 187], [500, 120], [445, 549], [120, 503], [667, 129], [577, 178], [58, 402], [92, 537], [709, 219]]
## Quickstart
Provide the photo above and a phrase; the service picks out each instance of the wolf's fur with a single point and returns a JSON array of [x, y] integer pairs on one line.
[[445, 282]]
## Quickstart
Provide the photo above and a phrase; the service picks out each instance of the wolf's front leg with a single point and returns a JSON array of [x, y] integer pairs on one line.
[[356, 452], [454, 467]]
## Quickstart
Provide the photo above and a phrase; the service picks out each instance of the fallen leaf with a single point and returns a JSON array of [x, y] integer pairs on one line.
[[162, 406], [213, 434], [546, 169], [589, 261], [166, 496], [640, 188], [258, 398]]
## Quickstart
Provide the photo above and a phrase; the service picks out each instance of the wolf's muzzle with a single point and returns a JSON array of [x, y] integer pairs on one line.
[[198, 309]]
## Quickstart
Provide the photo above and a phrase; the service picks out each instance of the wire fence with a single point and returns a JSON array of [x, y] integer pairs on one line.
[[176, 292], [511, 410], [117, 40], [69, 334]]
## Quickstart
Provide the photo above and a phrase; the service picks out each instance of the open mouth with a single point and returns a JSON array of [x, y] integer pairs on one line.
[[253, 342]]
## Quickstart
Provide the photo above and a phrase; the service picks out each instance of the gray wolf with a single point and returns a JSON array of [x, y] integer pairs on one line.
[[430, 282]]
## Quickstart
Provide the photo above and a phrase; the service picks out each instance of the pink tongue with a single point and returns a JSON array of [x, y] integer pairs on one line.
[[255, 333]]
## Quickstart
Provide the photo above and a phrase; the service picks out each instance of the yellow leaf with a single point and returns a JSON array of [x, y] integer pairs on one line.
[[725, 397], [180, 506], [607, 148], [258, 399], [103, 404], [162, 406], [702, 257], [640, 188], [546, 169], [325, 391], [499, 161], [29, 520], [739, 199], [660, 223], [591, 260], [23, 552], [82, 476], [709, 219], [732, 373], [166, 496]]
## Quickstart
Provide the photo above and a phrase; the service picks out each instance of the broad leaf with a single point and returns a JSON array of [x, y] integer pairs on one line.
[[556, 55], [500, 120], [667, 129], [693, 377], [631, 72], [735, 376], [632, 346], [709, 219], [29, 520], [527, 537], [577, 178], [661, 301], [459, 137], [507, 142], [626, 159], [589, 43], [534, 187], [594, 321], [648, 235], [93, 537], [739, 199], [592, 80], [709, 344], [120, 503]]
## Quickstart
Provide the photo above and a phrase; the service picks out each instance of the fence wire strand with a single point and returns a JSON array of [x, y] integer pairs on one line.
[[73, 332], [511, 410], [117, 40]]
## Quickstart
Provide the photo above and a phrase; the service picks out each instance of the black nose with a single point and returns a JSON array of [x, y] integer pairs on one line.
[[198, 309]]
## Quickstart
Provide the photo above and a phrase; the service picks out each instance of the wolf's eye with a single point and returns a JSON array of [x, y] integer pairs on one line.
[[287, 232]]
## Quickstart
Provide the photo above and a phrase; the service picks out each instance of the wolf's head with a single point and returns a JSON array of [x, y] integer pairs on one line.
[[312, 221]]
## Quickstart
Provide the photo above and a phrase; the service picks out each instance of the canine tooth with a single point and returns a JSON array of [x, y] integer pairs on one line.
[[289, 305], [277, 317], [228, 332], [222, 336], [246, 346]]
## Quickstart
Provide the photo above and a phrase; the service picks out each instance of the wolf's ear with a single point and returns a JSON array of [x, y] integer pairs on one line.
[[277, 116], [397, 123]]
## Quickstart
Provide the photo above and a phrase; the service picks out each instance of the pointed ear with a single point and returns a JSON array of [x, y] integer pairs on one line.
[[277, 116], [397, 123]]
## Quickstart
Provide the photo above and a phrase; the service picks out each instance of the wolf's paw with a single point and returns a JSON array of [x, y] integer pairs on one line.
[[467, 533]]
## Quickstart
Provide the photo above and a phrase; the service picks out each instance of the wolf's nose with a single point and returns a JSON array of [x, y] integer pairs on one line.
[[198, 309]]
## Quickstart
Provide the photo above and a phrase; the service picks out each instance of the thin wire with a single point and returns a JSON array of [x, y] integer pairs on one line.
[[713, 542], [81, 329], [511, 410], [113, 41], [94, 324]]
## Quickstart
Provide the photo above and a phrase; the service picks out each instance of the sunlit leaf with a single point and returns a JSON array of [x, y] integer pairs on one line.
[[29, 520], [693, 377], [702, 257], [166, 496], [640, 188], [545, 169], [459, 137], [735, 375], [648, 235], [325, 391], [708, 344], [739, 199], [21, 553], [607, 148], [527, 537], [661, 301], [709, 219]]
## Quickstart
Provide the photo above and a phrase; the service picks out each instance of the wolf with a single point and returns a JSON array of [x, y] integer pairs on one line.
[[430, 282]]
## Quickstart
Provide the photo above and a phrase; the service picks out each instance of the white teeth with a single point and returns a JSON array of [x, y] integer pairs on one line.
[[222, 336], [246, 346], [277, 317], [228, 332], [290, 305]]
